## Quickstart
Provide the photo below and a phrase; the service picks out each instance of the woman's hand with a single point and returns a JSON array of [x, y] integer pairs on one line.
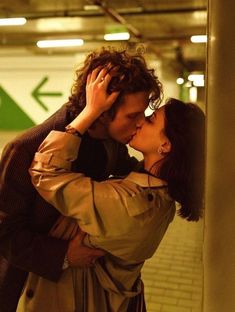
[[97, 98]]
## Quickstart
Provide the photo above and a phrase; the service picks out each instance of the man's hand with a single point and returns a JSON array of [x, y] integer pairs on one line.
[[81, 256]]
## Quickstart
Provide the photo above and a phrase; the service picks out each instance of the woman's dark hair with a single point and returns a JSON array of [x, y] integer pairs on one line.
[[131, 75], [184, 167]]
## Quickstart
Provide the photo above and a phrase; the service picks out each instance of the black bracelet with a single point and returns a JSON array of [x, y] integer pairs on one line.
[[71, 130]]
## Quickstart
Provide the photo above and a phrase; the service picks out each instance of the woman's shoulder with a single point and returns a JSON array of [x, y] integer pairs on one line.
[[133, 183], [132, 192]]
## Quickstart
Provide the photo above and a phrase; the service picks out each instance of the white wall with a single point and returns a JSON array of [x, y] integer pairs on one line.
[[21, 75]]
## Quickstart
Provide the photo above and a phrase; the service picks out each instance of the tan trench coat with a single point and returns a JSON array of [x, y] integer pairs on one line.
[[119, 217]]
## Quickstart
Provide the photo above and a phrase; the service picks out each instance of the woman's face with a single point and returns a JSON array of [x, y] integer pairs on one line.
[[151, 135]]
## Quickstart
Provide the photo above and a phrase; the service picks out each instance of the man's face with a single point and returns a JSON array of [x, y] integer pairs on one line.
[[129, 117]]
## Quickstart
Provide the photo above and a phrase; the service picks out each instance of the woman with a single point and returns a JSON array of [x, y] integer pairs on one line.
[[125, 217]]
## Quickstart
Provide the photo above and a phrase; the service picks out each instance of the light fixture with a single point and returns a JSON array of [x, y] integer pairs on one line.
[[12, 21], [197, 80], [179, 81], [199, 83], [199, 39], [193, 94], [60, 43], [91, 7], [117, 36], [193, 77]]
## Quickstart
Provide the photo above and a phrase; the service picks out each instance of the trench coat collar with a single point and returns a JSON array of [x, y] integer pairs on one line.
[[145, 180]]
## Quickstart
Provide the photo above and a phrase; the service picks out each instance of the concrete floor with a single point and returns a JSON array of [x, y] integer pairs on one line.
[[173, 276]]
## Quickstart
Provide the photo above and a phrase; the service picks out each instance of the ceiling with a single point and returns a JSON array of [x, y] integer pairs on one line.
[[162, 27]]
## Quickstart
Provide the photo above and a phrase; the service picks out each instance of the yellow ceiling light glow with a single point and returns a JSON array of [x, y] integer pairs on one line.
[[115, 32], [12, 21], [197, 79], [179, 81], [199, 39], [60, 43], [117, 36]]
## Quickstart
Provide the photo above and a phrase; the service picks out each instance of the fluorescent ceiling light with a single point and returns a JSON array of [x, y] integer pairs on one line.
[[12, 21], [197, 79], [199, 83], [91, 7], [60, 43], [194, 77], [199, 39], [117, 36]]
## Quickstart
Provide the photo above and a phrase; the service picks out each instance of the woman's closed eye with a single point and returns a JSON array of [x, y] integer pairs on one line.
[[148, 118]]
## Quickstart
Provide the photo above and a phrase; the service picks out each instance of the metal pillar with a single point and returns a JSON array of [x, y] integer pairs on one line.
[[219, 235]]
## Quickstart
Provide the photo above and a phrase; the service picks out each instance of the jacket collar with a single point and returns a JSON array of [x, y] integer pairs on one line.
[[145, 180]]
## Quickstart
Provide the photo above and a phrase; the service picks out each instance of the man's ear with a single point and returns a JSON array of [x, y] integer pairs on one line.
[[104, 118]]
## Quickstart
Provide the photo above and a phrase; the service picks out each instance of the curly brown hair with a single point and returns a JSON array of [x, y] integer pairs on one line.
[[131, 75]]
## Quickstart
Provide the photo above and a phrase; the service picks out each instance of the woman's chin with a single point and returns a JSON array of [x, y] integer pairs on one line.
[[130, 143], [133, 145]]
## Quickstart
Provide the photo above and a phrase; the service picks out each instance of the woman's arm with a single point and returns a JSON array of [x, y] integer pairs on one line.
[[75, 195], [50, 169], [116, 213]]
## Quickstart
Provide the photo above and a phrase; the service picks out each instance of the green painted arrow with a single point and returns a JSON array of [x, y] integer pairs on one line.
[[37, 94]]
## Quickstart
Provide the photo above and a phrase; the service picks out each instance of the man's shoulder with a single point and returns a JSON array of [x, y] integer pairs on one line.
[[37, 133]]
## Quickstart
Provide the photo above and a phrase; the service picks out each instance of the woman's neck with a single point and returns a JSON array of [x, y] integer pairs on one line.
[[152, 164]]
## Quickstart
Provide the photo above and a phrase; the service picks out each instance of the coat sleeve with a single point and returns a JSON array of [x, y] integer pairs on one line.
[[20, 243], [99, 207]]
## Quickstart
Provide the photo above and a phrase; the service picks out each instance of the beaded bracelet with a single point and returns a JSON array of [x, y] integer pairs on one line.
[[71, 130]]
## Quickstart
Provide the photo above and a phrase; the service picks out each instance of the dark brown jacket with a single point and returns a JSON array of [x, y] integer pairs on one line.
[[25, 218]]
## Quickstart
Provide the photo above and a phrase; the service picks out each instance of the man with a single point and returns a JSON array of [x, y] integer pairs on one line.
[[26, 218]]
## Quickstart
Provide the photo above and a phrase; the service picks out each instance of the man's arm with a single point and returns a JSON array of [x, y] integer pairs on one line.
[[20, 242]]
